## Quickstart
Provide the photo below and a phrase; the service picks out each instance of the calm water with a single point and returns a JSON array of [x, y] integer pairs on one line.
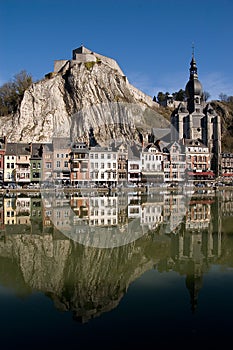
[[118, 271]]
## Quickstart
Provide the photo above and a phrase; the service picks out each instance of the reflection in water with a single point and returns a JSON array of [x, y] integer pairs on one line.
[[53, 245]]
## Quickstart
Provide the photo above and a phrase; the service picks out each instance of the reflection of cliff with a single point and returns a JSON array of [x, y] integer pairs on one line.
[[100, 277], [87, 281], [40, 259]]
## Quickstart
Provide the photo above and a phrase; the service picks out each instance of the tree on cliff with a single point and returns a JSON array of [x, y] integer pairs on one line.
[[11, 93]]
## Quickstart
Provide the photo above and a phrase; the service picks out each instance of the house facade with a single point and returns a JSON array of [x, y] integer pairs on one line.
[[2, 154], [103, 166], [79, 164], [152, 164], [198, 161], [174, 163], [227, 165]]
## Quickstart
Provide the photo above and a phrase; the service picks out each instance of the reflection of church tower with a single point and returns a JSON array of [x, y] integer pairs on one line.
[[196, 119], [194, 285]]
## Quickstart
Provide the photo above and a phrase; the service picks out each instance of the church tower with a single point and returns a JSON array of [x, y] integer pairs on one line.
[[193, 89], [194, 119]]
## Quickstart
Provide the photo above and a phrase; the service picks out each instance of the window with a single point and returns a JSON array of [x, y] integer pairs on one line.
[[58, 164], [48, 165], [66, 164]]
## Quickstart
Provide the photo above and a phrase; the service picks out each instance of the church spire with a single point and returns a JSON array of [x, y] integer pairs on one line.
[[193, 88], [193, 66]]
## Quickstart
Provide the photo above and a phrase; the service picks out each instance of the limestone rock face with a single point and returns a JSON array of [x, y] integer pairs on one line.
[[79, 96]]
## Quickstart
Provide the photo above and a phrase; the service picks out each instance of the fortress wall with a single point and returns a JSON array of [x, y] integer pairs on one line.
[[87, 57], [58, 64]]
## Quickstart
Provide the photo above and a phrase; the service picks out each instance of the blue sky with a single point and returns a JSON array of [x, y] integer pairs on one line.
[[151, 40]]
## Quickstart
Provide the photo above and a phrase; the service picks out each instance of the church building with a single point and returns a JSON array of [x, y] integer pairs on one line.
[[195, 119]]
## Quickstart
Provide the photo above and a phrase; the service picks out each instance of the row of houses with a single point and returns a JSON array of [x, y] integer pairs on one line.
[[74, 163]]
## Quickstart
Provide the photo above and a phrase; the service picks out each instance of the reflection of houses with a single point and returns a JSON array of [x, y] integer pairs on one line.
[[103, 211], [152, 164], [36, 214], [175, 207], [79, 164], [61, 211], [152, 214], [9, 211], [174, 162], [23, 210], [122, 209], [134, 206], [198, 215], [80, 208]]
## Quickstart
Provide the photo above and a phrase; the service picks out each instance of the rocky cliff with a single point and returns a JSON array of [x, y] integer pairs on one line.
[[225, 110], [88, 92]]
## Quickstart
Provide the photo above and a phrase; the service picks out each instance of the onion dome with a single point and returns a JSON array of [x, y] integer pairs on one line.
[[193, 87]]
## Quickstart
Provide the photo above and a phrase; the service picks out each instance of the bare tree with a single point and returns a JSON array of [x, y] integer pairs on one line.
[[11, 93]]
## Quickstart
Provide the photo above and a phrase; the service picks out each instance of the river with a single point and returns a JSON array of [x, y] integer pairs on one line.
[[117, 271]]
